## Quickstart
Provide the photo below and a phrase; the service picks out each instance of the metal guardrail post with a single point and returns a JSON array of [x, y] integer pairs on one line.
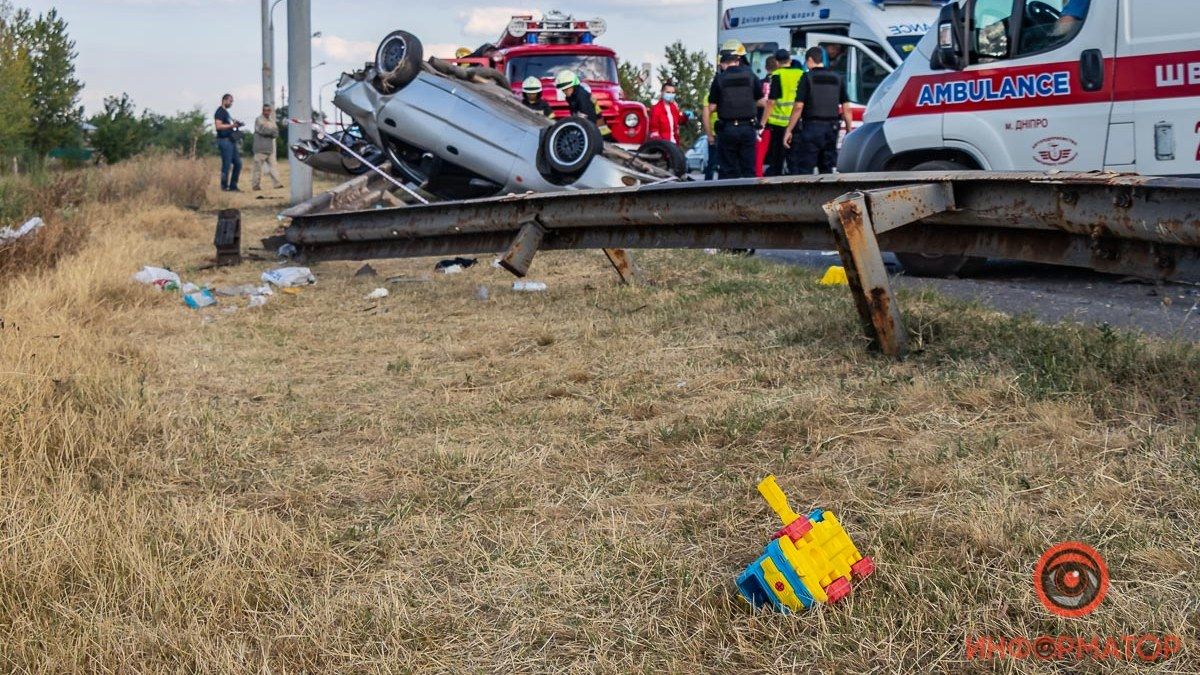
[[520, 254], [855, 219], [622, 262]]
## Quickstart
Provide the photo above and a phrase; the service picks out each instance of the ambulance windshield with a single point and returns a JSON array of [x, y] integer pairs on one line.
[[905, 45]]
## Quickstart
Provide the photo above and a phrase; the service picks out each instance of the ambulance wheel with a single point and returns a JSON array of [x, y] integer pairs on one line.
[[664, 155], [570, 144], [939, 266], [398, 60]]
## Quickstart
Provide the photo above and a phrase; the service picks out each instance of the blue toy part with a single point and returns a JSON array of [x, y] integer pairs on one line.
[[771, 579]]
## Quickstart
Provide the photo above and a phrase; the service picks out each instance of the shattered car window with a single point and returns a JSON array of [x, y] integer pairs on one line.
[[596, 68]]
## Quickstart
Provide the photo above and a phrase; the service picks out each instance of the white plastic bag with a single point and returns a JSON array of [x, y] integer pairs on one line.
[[158, 277], [529, 286], [286, 277], [8, 234], [377, 294]]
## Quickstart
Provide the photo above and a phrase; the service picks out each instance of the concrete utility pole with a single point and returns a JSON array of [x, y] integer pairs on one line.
[[720, 22], [268, 49], [299, 22]]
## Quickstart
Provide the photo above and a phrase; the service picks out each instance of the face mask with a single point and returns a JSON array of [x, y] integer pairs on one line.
[[668, 97]]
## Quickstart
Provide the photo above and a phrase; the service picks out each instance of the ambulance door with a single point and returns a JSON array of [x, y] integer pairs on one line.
[[862, 67], [1038, 91], [1158, 87]]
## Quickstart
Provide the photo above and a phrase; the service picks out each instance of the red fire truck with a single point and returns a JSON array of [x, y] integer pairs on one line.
[[555, 42]]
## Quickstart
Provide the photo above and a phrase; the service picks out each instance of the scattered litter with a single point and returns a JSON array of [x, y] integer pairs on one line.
[[529, 286], [835, 276], [287, 251], [366, 271], [243, 289], [482, 294], [287, 277], [199, 298], [712, 251], [496, 263], [9, 235], [812, 550], [377, 294], [454, 265], [257, 301], [290, 291], [188, 287], [165, 280]]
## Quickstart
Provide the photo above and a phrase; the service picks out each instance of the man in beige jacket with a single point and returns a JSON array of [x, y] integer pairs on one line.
[[265, 133]]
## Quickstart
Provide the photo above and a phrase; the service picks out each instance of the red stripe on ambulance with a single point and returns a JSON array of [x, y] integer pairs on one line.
[[1131, 78]]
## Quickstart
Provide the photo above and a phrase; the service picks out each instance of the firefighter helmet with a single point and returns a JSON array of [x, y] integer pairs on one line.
[[462, 53], [532, 85], [565, 79], [734, 47]]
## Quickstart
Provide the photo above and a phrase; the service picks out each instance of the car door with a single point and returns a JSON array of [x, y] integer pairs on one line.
[[1038, 92], [1158, 87]]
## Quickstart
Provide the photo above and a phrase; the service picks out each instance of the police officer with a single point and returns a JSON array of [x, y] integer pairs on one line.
[[778, 111], [820, 100], [531, 96], [734, 95], [579, 101]]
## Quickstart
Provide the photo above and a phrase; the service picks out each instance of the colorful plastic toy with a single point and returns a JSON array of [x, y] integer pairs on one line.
[[811, 559]]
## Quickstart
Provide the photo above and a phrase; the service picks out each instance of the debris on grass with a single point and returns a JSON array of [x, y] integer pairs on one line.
[[454, 265], [162, 279], [522, 286], [377, 294], [9, 235], [288, 277]]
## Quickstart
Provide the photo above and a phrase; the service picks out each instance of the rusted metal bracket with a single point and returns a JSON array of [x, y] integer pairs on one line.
[[622, 262], [520, 254], [855, 219]]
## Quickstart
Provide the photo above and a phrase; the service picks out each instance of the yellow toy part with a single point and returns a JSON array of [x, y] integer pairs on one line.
[[779, 586], [778, 502], [822, 556]]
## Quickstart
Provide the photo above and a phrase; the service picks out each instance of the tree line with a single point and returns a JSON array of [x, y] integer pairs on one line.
[[42, 116]]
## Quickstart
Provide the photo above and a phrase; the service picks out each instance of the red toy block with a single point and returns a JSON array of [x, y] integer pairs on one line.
[[795, 530], [863, 568], [837, 590]]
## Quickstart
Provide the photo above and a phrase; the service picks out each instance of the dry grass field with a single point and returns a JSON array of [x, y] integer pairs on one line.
[[548, 482]]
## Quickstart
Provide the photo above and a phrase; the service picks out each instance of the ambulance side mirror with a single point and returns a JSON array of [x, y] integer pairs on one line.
[[951, 50]]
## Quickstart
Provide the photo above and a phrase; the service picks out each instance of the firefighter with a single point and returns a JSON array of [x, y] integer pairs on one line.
[[820, 100], [580, 102], [531, 96], [778, 112], [734, 95]]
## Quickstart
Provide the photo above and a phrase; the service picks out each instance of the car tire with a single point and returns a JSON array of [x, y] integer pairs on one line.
[[939, 266], [398, 60], [491, 75], [665, 155], [569, 145]]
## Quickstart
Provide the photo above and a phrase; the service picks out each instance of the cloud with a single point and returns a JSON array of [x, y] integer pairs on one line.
[[334, 48], [488, 22]]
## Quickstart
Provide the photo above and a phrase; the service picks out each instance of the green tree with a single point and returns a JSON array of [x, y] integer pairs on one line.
[[16, 122], [54, 88], [185, 133], [634, 84], [692, 73], [119, 133]]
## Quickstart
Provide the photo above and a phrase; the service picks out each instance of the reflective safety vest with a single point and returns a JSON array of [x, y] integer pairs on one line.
[[789, 79]]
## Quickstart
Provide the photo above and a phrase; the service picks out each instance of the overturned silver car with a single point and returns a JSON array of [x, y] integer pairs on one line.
[[459, 133]]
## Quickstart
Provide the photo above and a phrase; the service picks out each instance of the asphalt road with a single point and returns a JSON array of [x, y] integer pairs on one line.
[[1052, 294]]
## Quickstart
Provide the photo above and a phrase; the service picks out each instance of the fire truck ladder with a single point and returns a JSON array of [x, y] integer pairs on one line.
[[1127, 224]]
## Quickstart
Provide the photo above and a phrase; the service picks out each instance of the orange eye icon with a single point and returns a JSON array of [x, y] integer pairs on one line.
[[1071, 579]]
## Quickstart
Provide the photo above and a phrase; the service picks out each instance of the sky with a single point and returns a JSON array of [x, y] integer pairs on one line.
[[171, 55]]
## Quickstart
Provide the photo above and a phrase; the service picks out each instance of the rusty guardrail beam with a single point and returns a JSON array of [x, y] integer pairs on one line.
[[1115, 223]]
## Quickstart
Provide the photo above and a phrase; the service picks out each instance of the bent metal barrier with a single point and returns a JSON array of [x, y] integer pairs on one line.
[[1136, 225]]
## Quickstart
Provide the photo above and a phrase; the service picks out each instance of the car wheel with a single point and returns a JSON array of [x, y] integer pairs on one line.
[[570, 144], [939, 266], [398, 60], [664, 155]]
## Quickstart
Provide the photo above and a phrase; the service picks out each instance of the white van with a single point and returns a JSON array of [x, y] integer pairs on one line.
[[874, 36], [1035, 85]]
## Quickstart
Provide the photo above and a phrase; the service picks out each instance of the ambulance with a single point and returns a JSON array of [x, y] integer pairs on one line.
[[867, 39], [1038, 85]]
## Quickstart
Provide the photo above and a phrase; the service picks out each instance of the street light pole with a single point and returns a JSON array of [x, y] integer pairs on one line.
[[321, 96], [300, 91], [268, 49]]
